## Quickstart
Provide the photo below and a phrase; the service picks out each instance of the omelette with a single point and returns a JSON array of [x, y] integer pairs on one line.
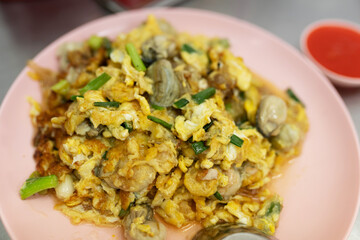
[[161, 122]]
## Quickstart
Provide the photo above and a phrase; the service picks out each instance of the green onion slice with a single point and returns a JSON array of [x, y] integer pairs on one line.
[[107, 104], [73, 97], [107, 46], [181, 103], [96, 83], [242, 95], [62, 87], [275, 207], [224, 42], [124, 212], [218, 196], [135, 58], [236, 140], [187, 48], [204, 94], [228, 106], [198, 147], [104, 156], [159, 121], [127, 125], [156, 107], [207, 126], [292, 95], [243, 119], [95, 42], [35, 185]]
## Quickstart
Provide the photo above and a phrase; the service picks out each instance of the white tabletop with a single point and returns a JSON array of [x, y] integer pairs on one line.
[[26, 27]]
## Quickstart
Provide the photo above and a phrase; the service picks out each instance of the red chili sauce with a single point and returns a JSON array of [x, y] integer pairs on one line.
[[337, 49]]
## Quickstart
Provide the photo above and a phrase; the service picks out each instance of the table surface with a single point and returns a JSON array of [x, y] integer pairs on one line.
[[26, 27]]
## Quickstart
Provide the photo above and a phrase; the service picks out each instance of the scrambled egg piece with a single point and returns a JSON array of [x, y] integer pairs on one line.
[[194, 118], [203, 156]]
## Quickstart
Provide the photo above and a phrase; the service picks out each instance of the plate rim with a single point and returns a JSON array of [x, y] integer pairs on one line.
[[295, 52]]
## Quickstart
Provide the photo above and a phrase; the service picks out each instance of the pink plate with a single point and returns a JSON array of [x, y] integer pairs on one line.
[[320, 188]]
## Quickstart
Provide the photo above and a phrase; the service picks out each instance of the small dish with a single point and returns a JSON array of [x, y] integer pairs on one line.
[[343, 38]]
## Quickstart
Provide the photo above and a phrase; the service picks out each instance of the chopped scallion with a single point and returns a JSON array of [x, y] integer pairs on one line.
[[242, 120], [218, 196], [35, 174], [187, 48], [292, 95], [207, 126], [107, 46], [73, 97], [224, 42], [204, 94], [275, 207], [181, 103], [127, 125], [236, 140], [198, 147], [95, 42], [35, 185], [107, 104], [124, 212], [135, 58], [62, 87], [156, 107], [159, 121], [96, 83], [242, 95], [228, 106], [104, 156]]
